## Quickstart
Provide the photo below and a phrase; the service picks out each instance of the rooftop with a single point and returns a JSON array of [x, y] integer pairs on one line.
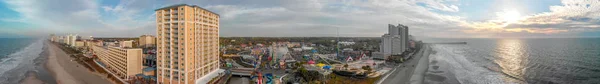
[[149, 69], [177, 5]]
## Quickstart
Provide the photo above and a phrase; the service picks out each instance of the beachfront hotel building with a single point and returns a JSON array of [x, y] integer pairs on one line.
[[396, 41], [70, 39], [187, 44], [123, 62], [147, 41], [53, 38]]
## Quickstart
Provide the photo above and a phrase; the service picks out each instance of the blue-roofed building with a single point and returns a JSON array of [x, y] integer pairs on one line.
[[149, 71]]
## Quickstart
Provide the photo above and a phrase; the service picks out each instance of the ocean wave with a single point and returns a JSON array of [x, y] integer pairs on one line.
[[24, 56], [452, 62]]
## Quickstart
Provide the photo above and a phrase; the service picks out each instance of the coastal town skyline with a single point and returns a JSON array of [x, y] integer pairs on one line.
[[299, 42], [312, 18]]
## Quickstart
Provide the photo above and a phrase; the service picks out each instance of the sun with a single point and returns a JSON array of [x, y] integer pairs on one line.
[[510, 16]]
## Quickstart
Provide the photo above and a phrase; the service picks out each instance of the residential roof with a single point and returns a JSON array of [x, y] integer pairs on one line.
[[149, 69], [177, 5]]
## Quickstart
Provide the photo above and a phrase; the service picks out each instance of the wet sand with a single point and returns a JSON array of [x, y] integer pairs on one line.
[[437, 75], [40, 75], [31, 78]]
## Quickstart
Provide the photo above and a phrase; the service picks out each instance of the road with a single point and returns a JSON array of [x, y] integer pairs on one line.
[[402, 73], [233, 63]]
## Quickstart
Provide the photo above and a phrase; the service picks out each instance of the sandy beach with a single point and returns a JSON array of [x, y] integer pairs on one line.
[[69, 72], [40, 74], [31, 79], [403, 73], [437, 73]]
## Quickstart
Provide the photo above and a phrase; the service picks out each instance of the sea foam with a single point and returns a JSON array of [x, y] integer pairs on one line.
[[23, 57], [453, 64]]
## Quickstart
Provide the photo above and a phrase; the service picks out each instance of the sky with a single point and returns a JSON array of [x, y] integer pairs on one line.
[[312, 18]]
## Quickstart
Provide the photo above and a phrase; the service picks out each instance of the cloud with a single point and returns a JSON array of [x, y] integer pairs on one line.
[[75, 16], [281, 18], [440, 5], [568, 19]]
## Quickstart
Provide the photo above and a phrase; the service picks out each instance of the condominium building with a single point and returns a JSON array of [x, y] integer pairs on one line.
[[66, 39], [53, 38], [70, 39], [126, 44], [121, 61], [61, 39], [396, 41], [187, 43], [147, 41]]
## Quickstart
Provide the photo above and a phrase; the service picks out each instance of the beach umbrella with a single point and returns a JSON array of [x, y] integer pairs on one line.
[[311, 62], [320, 65], [327, 67]]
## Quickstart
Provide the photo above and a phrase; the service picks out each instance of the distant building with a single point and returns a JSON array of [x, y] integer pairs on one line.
[[147, 41], [348, 49], [61, 39], [346, 43], [123, 62], [306, 48], [126, 44], [396, 41], [70, 39], [187, 44], [297, 49], [66, 40], [79, 44], [53, 38], [379, 55], [293, 44]]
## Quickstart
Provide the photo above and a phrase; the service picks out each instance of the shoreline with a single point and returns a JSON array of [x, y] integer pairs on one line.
[[402, 74], [437, 72], [41, 75], [30, 67]]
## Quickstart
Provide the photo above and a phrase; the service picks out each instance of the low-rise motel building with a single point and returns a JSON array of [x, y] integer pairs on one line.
[[146, 41], [79, 44], [121, 60]]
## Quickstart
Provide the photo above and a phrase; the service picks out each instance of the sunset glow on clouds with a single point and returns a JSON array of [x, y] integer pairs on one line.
[[362, 18]]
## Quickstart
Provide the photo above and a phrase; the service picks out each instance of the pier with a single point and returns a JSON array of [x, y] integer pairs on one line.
[[448, 43]]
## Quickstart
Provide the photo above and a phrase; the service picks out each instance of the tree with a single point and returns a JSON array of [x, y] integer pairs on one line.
[[368, 68], [346, 66], [297, 65]]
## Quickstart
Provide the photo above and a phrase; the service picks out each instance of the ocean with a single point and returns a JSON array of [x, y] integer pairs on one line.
[[19, 56], [529, 60]]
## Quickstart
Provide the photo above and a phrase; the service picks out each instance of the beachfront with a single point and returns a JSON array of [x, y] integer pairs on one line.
[[70, 72], [403, 73]]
